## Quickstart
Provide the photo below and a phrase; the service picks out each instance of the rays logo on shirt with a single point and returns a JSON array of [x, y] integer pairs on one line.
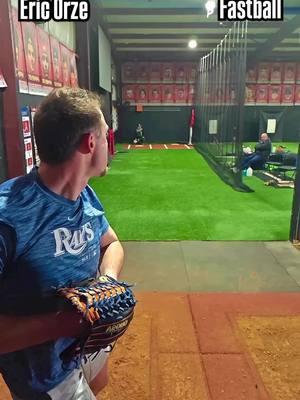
[[72, 242]]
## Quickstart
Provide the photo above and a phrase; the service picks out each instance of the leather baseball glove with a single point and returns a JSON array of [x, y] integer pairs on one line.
[[107, 306]]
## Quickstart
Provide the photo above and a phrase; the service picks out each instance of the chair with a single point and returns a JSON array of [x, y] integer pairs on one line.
[[275, 160], [289, 165]]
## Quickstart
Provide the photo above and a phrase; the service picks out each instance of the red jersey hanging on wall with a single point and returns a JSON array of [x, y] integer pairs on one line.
[[45, 60], [30, 41], [20, 64], [155, 94], [288, 94], [56, 62], [168, 94], [289, 75], [142, 93]]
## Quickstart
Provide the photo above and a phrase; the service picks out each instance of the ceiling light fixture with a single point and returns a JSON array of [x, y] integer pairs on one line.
[[192, 44], [210, 6]]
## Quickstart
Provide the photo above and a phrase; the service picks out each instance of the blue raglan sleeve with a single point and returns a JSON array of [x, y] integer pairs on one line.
[[7, 246], [97, 204]]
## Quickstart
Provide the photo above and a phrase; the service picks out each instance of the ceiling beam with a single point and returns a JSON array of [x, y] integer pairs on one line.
[[163, 36], [190, 25], [286, 41], [266, 48], [189, 56], [171, 11], [207, 47], [276, 56], [153, 56], [153, 11], [159, 45]]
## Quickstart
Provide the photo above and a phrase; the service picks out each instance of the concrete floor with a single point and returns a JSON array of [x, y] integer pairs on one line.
[[209, 346], [212, 266], [205, 318], [186, 341]]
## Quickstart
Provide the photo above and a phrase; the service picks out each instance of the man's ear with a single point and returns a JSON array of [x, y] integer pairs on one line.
[[87, 143]]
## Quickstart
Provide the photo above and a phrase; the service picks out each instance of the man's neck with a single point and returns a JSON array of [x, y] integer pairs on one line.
[[63, 179]]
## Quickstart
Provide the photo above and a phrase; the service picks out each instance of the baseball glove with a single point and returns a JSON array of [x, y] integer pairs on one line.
[[107, 306]]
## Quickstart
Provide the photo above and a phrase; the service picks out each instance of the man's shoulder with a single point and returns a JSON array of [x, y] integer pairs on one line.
[[9, 184], [89, 196], [13, 188], [9, 190], [15, 194]]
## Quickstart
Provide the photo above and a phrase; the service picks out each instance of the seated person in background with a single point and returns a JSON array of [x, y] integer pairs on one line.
[[262, 152], [280, 149]]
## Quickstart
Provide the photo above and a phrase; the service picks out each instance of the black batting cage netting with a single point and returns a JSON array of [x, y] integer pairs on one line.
[[219, 104], [295, 219]]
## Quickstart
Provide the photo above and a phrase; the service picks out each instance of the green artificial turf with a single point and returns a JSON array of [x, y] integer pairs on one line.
[[174, 195], [289, 146]]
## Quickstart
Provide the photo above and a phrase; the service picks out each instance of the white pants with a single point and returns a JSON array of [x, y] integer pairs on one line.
[[76, 385]]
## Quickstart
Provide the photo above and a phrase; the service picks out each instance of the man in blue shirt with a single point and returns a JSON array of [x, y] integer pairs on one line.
[[53, 233]]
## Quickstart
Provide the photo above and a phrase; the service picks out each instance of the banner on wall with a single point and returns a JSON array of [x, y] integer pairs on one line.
[[288, 94], [168, 94], [168, 72], [142, 72], [276, 73], [155, 94], [181, 94], [261, 94], [20, 66], [30, 41], [141, 95], [297, 94], [181, 72], [73, 70], [289, 74], [251, 75], [263, 72], [128, 72], [56, 62], [155, 72], [45, 60], [274, 94], [41, 62], [298, 73], [250, 94], [65, 65], [128, 93], [191, 72], [159, 72]]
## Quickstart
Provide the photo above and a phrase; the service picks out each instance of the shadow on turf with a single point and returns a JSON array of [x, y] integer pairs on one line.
[[225, 173]]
